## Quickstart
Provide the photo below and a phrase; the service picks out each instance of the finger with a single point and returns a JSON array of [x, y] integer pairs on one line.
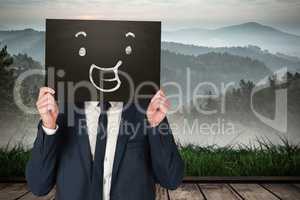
[[161, 104], [160, 100], [46, 98], [47, 102], [161, 93], [152, 108], [53, 108], [47, 89], [43, 111], [47, 108], [48, 105], [160, 107], [168, 103], [44, 90], [163, 108], [156, 95]]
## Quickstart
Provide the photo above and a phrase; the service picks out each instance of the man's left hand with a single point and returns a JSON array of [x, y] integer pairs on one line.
[[157, 108]]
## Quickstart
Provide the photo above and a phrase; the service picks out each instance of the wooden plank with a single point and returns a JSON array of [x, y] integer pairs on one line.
[[211, 191], [253, 192], [30, 196], [185, 192], [241, 179], [284, 191], [3, 185], [218, 192], [161, 193], [13, 191]]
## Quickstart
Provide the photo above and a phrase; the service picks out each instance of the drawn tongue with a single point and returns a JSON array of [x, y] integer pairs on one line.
[[108, 75]]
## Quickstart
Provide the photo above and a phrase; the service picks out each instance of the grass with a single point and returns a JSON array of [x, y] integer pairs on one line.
[[13, 161], [265, 159]]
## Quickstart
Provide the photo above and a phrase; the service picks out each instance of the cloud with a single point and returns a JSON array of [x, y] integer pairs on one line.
[[172, 12]]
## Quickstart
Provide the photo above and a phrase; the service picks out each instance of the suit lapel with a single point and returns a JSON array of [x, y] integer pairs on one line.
[[82, 139], [128, 116]]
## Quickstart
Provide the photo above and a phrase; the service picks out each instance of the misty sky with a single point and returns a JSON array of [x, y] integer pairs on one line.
[[174, 14]]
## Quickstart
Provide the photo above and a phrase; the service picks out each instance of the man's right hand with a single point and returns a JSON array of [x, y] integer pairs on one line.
[[47, 107]]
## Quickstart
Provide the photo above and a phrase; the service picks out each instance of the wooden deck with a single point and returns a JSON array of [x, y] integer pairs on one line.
[[187, 191]]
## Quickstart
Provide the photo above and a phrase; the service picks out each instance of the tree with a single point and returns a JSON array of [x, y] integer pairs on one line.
[[6, 75]]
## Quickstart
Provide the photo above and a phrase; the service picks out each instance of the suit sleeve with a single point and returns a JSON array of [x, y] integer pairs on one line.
[[41, 168], [167, 164]]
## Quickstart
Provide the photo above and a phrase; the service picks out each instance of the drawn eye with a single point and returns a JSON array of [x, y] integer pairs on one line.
[[128, 50], [82, 51]]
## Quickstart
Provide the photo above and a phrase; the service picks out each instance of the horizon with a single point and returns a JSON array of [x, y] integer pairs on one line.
[[164, 30], [285, 15]]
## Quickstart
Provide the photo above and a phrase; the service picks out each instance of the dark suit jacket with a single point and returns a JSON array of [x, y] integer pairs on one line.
[[143, 157]]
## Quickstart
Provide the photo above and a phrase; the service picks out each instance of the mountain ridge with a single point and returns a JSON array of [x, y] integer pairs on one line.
[[273, 61], [31, 42], [251, 33], [238, 26]]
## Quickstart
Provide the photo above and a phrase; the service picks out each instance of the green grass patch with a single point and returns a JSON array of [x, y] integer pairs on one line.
[[13, 161], [265, 159]]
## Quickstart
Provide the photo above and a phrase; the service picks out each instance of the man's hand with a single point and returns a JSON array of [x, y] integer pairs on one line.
[[157, 108], [47, 107]]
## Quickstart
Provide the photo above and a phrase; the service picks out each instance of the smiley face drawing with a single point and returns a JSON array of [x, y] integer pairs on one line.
[[82, 52], [113, 60]]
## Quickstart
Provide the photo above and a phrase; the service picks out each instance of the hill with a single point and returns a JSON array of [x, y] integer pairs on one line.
[[31, 42], [27, 41], [272, 61], [251, 33], [214, 68]]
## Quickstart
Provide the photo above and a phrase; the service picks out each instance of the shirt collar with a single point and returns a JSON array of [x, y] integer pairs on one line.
[[94, 104]]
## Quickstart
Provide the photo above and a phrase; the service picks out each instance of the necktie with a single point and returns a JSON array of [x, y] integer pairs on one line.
[[97, 179]]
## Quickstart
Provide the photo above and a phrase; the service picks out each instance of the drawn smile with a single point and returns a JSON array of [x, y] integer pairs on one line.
[[111, 69], [82, 52]]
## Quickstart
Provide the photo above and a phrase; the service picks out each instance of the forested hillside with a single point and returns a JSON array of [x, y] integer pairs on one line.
[[272, 61]]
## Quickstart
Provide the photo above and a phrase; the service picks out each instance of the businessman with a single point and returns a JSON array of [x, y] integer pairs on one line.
[[112, 152]]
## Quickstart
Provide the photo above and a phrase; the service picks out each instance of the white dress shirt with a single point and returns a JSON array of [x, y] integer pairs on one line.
[[92, 111]]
